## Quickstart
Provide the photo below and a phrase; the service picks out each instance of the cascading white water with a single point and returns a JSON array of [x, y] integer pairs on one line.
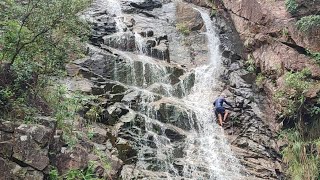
[[207, 147], [206, 154], [140, 45], [115, 9]]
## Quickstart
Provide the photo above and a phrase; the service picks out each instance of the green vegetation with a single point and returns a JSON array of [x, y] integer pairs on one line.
[[250, 64], [301, 156], [87, 174], [314, 55], [183, 28], [292, 95], [291, 6], [307, 23], [213, 10], [260, 80], [94, 113], [64, 108], [103, 159], [303, 149], [37, 38], [285, 32]]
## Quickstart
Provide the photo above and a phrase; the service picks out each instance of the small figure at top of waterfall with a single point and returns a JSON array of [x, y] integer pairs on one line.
[[220, 110]]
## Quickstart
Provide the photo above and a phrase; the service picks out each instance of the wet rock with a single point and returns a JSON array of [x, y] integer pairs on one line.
[[75, 158], [116, 112], [129, 172], [147, 4], [174, 76], [174, 133], [97, 90], [99, 135], [176, 115], [126, 153], [161, 51], [151, 43], [203, 3], [124, 41]]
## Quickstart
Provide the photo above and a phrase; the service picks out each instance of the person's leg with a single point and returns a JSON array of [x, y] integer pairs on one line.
[[225, 116], [220, 119]]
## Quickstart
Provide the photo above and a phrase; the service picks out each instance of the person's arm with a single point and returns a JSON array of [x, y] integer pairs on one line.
[[229, 104]]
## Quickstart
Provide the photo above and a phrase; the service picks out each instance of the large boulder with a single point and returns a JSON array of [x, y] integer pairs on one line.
[[189, 17], [176, 114], [75, 158], [278, 57], [11, 170], [31, 145]]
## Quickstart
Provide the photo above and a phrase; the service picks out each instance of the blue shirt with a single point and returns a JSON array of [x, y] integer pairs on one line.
[[219, 102]]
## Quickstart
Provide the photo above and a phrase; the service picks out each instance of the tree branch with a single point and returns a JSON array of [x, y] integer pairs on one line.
[[18, 49]]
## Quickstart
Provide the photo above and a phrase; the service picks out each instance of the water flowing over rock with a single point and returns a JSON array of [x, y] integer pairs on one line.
[[160, 119], [154, 68]]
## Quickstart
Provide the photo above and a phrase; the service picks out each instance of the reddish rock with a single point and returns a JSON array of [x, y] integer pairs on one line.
[[76, 158], [275, 58], [31, 145], [29, 152], [314, 91], [310, 40], [11, 170], [188, 16]]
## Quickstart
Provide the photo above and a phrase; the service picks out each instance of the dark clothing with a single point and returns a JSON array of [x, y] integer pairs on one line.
[[220, 110], [218, 104]]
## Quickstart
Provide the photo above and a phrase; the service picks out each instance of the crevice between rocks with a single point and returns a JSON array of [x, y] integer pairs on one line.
[[299, 49]]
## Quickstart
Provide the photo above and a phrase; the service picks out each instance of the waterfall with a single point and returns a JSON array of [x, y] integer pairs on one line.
[[208, 154], [169, 100], [140, 45], [115, 9], [208, 148]]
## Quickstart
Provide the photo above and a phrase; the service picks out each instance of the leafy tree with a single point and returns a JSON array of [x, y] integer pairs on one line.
[[37, 37]]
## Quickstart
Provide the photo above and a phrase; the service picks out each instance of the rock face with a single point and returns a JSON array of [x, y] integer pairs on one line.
[[24, 150], [147, 123], [146, 74]]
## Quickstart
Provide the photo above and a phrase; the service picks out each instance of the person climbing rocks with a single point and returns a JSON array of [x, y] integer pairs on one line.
[[220, 110]]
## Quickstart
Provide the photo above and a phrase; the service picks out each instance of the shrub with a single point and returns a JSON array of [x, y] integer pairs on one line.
[[307, 23], [291, 6], [301, 156], [36, 39], [183, 28], [250, 64], [260, 80], [314, 55], [292, 94]]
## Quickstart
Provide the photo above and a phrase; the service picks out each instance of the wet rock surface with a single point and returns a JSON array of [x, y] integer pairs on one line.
[[140, 73]]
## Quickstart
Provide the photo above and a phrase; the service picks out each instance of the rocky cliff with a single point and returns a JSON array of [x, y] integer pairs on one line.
[[154, 68]]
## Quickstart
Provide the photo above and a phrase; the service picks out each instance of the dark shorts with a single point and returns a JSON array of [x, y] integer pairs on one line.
[[220, 110]]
